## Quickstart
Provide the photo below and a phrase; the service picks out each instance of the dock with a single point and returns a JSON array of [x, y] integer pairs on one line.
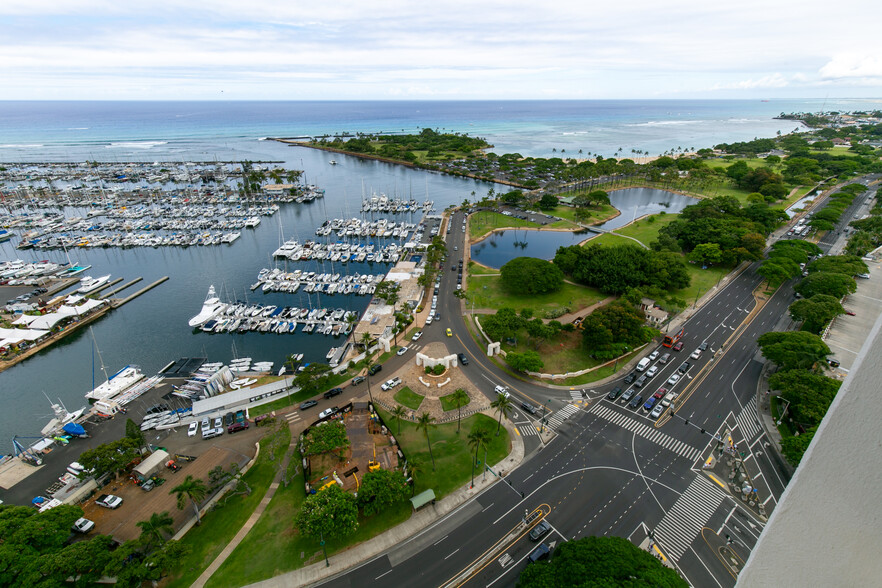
[[147, 288], [121, 288]]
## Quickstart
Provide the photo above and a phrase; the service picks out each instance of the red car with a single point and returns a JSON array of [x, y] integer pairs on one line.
[[678, 346], [237, 427]]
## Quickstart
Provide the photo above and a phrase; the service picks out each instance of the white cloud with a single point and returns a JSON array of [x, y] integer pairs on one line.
[[852, 65]]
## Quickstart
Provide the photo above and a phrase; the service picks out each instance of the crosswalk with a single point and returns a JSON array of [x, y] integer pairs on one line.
[[683, 522], [576, 394], [557, 419], [647, 432], [293, 417], [748, 420], [527, 430]]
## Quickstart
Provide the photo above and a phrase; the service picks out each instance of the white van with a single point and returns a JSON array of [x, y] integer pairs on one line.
[[644, 363]]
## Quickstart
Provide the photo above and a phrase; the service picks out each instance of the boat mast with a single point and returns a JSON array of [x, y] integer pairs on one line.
[[103, 369]]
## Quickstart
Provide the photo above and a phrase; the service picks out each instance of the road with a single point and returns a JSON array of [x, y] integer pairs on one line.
[[612, 470]]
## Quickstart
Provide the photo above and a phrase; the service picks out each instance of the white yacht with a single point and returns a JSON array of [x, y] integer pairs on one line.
[[89, 284], [210, 309], [116, 384]]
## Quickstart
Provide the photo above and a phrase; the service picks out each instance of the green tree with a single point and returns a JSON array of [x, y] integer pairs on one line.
[[529, 275], [706, 253], [528, 361], [313, 377], [503, 407], [193, 489], [478, 437], [109, 457], [832, 284], [791, 350], [425, 421], [459, 398], [380, 489], [398, 412], [83, 560], [809, 394], [548, 202], [600, 562], [777, 270], [794, 446], [331, 513], [815, 312], [839, 264], [134, 432], [154, 529]]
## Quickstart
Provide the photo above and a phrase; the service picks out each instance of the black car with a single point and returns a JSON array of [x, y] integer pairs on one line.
[[541, 552], [308, 404], [614, 393], [539, 531], [703, 345], [358, 380], [527, 407], [636, 401], [374, 369], [630, 377], [229, 418], [685, 367], [463, 359], [333, 392]]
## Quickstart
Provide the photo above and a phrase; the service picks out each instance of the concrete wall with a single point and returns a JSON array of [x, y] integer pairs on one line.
[[827, 528]]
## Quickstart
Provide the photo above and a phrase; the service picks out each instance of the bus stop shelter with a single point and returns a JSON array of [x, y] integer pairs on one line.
[[423, 498]]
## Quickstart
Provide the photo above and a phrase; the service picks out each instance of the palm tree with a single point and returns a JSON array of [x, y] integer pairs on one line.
[[155, 528], [460, 398], [479, 437], [503, 406], [368, 362], [398, 412], [423, 424], [192, 488], [415, 468]]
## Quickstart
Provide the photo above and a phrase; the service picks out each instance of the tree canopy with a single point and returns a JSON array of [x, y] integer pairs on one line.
[[331, 513], [529, 275], [832, 284], [613, 270], [809, 394], [381, 489], [791, 350], [614, 329], [816, 312], [838, 264], [600, 562], [528, 361], [109, 457]]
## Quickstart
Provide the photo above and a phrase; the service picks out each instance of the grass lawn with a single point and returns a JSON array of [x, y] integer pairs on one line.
[[752, 163], [562, 224], [274, 545], [481, 223], [487, 292], [702, 281], [599, 214], [453, 456], [600, 373], [221, 524], [646, 230], [608, 240], [288, 400], [447, 403], [562, 354], [476, 269], [409, 398], [800, 192]]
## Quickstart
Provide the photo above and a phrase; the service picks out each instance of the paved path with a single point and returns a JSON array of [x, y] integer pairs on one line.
[[252, 520]]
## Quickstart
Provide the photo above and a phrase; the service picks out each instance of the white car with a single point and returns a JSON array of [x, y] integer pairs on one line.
[[194, 428], [429, 320], [652, 371], [416, 336], [674, 379], [206, 424], [83, 525], [653, 356], [109, 501], [401, 351], [656, 412], [696, 354], [327, 412], [502, 391], [389, 384], [219, 423]]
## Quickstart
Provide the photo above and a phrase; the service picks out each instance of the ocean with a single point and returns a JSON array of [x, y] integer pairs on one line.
[[152, 330]]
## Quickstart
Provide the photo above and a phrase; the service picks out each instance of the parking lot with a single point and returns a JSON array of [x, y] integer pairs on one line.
[[847, 333]]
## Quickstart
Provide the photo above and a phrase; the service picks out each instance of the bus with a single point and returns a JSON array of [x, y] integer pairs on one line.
[[671, 339]]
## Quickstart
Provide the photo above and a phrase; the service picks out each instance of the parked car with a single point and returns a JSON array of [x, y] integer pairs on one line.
[[664, 358], [636, 401], [389, 384], [684, 367], [109, 501], [401, 351], [657, 411], [678, 346], [540, 531], [375, 368], [660, 392], [328, 412], [640, 381], [463, 360], [629, 393], [416, 336], [696, 354], [333, 392], [703, 345], [229, 418], [864, 276], [148, 485], [674, 379], [653, 356], [308, 404], [614, 393], [650, 402], [630, 377], [83, 525], [358, 380], [652, 371], [206, 424], [193, 429], [429, 320], [218, 423], [236, 427]]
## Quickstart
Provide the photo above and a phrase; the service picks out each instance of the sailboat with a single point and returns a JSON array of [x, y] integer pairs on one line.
[[115, 384]]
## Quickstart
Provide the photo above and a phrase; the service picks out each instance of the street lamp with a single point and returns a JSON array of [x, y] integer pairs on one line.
[[327, 563], [544, 406], [781, 417]]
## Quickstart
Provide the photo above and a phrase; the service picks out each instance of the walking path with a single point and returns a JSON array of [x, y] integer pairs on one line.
[[252, 520]]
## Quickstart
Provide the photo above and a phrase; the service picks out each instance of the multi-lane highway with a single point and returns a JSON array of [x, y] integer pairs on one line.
[[611, 469]]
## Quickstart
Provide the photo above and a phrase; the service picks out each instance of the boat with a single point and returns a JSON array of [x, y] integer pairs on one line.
[[116, 384], [210, 309], [333, 162], [89, 284]]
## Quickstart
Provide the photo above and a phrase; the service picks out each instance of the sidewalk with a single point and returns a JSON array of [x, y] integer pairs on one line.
[[418, 522]]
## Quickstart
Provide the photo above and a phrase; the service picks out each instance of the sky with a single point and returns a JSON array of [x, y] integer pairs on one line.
[[438, 50]]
